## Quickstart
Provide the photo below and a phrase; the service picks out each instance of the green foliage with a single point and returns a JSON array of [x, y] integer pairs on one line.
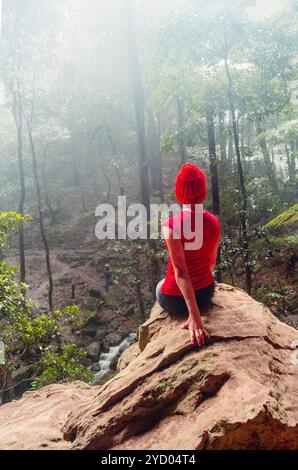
[[280, 299], [168, 142], [22, 326], [71, 314], [288, 217], [261, 196], [9, 223], [230, 253], [12, 298], [70, 364], [25, 330]]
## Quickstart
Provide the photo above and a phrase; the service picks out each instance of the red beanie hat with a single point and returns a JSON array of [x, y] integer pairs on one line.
[[190, 185]]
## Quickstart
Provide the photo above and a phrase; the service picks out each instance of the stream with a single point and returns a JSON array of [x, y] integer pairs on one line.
[[107, 358]]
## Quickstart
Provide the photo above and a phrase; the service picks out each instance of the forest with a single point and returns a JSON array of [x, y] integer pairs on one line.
[[101, 99]]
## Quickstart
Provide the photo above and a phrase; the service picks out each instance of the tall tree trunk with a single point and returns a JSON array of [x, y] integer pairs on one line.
[[289, 163], [241, 133], [138, 99], [12, 16], [293, 157], [77, 182], [222, 138], [230, 139], [139, 106], [213, 170], [180, 128], [119, 179], [241, 127], [213, 160], [103, 164], [41, 220], [243, 208], [109, 184], [267, 160], [45, 187], [115, 163], [154, 154], [18, 119]]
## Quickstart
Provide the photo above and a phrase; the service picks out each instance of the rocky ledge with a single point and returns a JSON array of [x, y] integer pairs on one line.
[[238, 392]]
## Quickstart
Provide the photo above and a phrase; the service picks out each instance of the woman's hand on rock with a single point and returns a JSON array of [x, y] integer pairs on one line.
[[196, 331]]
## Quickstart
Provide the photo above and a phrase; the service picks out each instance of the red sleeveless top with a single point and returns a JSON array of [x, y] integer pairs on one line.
[[198, 260]]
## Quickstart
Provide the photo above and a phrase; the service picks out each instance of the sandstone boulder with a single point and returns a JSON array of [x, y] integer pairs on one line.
[[128, 355], [238, 392], [36, 420]]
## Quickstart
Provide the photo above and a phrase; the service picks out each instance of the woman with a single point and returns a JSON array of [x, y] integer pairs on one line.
[[189, 283]]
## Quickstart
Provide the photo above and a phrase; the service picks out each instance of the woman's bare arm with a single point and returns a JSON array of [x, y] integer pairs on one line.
[[176, 252]]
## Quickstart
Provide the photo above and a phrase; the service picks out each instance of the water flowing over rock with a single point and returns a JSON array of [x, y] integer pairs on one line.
[[107, 359], [238, 392]]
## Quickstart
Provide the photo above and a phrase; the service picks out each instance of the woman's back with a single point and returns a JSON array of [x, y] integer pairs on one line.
[[198, 260]]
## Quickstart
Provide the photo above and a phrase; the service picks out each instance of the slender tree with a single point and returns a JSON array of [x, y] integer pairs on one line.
[[213, 168], [115, 160], [18, 119], [213, 160], [243, 208], [154, 153], [267, 160], [139, 107], [180, 128], [222, 137], [39, 207], [12, 39]]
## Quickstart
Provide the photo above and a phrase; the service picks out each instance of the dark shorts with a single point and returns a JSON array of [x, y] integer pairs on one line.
[[175, 304]]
